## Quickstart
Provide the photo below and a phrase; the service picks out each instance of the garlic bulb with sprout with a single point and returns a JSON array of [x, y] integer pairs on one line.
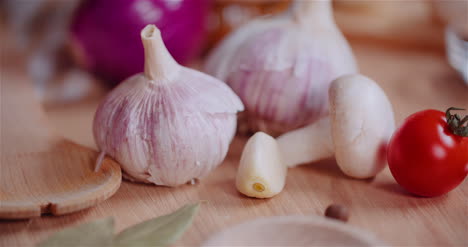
[[282, 66], [168, 125]]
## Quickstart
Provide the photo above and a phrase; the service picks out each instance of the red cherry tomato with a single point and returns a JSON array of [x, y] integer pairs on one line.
[[428, 154]]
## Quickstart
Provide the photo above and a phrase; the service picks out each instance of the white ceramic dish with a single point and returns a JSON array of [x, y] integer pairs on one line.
[[293, 231]]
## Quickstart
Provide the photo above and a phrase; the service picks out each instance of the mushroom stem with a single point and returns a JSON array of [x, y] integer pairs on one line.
[[159, 64], [308, 144]]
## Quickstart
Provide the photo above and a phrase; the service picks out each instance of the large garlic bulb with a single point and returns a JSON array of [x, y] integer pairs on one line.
[[168, 125], [281, 67]]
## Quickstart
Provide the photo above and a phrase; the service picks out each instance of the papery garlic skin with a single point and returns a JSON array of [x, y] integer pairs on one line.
[[282, 67], [167, 126]]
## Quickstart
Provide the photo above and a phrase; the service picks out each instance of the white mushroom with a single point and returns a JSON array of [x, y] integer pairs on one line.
[[357, 131]]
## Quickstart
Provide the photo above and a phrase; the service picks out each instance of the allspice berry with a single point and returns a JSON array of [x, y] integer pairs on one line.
[[336, 211]]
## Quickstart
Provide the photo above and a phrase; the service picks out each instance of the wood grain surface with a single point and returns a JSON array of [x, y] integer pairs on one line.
[[413, 81], [41, 172]]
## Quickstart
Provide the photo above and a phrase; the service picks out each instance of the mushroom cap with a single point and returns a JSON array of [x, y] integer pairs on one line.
[[362, 123]]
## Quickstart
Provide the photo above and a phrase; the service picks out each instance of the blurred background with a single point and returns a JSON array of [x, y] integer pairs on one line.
[[74, 51]]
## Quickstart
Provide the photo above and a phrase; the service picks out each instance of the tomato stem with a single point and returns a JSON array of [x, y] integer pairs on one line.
[[456, 123]]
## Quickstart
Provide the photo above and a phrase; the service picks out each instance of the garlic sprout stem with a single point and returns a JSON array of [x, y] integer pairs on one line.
[[159, 64], [99, 160], [308, 144], [318, 12]]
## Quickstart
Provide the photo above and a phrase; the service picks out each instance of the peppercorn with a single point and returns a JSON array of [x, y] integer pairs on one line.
[[338, 212]]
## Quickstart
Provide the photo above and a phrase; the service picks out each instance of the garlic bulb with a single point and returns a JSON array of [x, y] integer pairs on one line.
[[281, 67], [168, 125]]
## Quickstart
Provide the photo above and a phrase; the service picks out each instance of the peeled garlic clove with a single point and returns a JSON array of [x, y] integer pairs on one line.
[[281, 67], [262, 172], [168, 125]]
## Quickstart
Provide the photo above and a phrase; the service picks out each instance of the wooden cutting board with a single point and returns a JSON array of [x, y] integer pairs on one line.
[[40, 172], [413, 81]]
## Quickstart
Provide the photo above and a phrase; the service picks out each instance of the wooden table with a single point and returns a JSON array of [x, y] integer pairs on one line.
[[413, 80]]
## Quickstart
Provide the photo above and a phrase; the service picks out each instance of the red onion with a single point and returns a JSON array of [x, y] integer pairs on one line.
[[106, 33]]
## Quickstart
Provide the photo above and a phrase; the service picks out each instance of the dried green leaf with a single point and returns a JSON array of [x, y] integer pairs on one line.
[[96, 233], [160, 231]]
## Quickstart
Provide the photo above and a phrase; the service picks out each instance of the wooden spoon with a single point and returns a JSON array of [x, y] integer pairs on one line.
[[293, 231], [41, 172]]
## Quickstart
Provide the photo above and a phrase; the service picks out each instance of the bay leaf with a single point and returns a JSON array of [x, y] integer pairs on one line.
[[161, 231], [96, 233]]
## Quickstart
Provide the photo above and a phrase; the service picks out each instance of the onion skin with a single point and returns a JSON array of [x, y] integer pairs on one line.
[[105, 33]]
